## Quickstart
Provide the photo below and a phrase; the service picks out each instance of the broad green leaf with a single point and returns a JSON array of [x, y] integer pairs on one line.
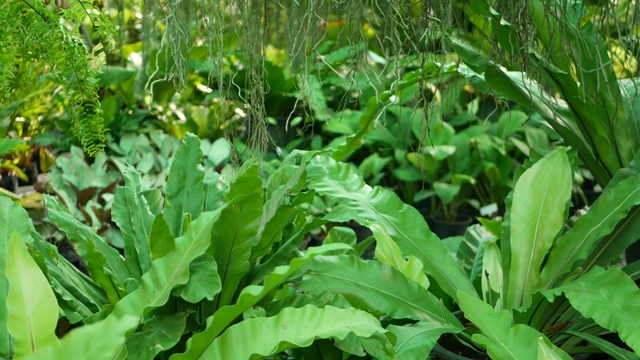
[[545, 352], [341, 234], [289, 329], [492, 275], [31, 304], [503, 340], [376, 287], [159, 333], [368, 119], [287, 180], [99, 341], [446, 192], [537, 214], [134, 218], [611, 208], [106, 267], [161, 242], [6, 145], [472, 57], [379, 209], [169, 271], [13, 218], [198, 344], [388, 252], [214, 189], [611, 299], [185, 189], [234, 233], [287, 251], [415, 342], [510, 122], [204, 281]]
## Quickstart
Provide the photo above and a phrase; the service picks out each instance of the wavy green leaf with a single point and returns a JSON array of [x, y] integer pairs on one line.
[[204, 280], [415, 342], [169, 271], [379, 209], [498, 335], [159, 333], [185, 185], [376, 287], [99, 341], [106, 267], [161, 242], [287, 180], [234, 234], [537, 214], [388, 252], [31, 304], [250, 295], [134, 218], [78, 296], [289, 329], [610, 298], [612, 206]]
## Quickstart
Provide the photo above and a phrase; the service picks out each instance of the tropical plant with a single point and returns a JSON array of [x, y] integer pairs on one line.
[[203, 267], [544, 288]]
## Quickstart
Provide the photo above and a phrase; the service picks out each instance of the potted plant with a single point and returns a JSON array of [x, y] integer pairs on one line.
[[543, 288], [202, 267]]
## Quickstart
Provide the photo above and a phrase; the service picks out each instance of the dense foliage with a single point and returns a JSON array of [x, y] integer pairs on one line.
[[319, 179]]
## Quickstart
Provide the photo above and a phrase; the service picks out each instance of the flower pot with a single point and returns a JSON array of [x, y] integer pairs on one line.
[[444, 229]]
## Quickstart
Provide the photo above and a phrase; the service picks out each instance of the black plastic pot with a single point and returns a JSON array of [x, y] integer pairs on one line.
[[9, 182], [445, 229]]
